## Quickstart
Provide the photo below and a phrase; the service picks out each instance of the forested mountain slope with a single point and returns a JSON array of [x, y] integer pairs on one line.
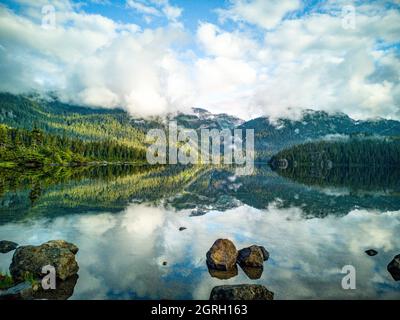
[[98, 124], [273, 136], [36, 148], [73, 121]]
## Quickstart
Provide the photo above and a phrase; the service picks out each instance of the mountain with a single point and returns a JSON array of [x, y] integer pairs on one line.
[[97, 124], [273, 136], [203, 119], [54, 117]]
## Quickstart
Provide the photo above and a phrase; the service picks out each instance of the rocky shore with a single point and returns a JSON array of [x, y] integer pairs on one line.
[[26, 270]]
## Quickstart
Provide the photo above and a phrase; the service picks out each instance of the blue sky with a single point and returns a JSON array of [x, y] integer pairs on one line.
[[193, 11], [244, 57]]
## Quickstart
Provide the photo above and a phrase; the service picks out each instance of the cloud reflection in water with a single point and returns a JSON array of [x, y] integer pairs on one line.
[[121, 254]]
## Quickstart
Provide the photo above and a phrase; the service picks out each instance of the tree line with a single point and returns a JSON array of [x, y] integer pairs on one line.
[[35, 147], [378, 152]]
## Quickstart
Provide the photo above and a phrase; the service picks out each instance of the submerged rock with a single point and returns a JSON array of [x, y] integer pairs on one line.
[[241, 292], [63, 291], [7, 246], [222, 255], [25, 291], [31, 259], [371, 252], [253, 256], [20, 291], [394, 268]]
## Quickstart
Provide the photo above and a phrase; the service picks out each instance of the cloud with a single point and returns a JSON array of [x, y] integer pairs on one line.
[[156, 8], [248, 67], [311, 61], [92, 60], [171, 12], [223, 84], [329, 68], [98, 96], [219, 43], [265, 14], [143, 8], [223, 75]]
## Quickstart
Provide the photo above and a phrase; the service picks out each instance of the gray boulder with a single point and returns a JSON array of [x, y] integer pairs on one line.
[[31, 259], [241, 292]]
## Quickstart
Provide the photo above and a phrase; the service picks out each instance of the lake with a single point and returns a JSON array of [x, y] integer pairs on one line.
[[126, 220]]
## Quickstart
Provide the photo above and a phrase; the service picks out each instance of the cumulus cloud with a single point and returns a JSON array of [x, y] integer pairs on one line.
[[95, 61], [320, 64], [219, 43], [268, 60]]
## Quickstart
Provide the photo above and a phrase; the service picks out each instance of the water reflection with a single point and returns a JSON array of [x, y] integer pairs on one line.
[[200, 189], [253, 273], [223, 275], [127, 225], [63, 291], [222, 190], [121, 254]]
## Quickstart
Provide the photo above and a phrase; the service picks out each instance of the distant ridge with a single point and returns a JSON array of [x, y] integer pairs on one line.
[[96, 124]]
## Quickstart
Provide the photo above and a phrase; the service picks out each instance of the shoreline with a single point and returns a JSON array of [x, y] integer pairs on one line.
[[11, 165]]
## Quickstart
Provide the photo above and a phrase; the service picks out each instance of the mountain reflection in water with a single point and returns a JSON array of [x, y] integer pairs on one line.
[[126, 221]]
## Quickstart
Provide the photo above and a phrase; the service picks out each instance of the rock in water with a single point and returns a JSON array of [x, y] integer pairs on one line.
[[7, 246], [62, 244], [20, 291], [241, 292], [31, 259], [24, 291], [394, 268], [222, 255], [253, 256], [63, 291], [371, 252]]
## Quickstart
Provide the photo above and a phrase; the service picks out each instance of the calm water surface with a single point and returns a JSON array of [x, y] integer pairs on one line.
[[126, 223]]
